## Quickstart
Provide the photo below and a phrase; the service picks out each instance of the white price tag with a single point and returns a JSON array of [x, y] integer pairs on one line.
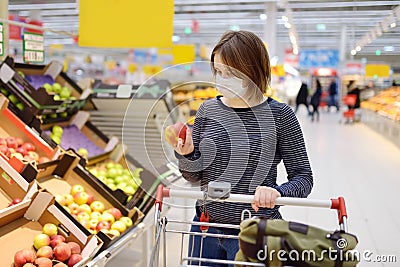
[[33, 56], [33, 37], [30, 45], [1, 37]]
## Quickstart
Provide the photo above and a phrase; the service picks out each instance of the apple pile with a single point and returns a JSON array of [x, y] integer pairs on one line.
[[56, 134], [16, 147], [91, 213], [115, 176], [58, 92], [49, 249], [13, 99]]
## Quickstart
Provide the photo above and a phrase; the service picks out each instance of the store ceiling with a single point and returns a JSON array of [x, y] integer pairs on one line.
[[319, 24]]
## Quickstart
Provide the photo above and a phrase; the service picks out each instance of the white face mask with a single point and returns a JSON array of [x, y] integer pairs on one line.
[[230, 87]]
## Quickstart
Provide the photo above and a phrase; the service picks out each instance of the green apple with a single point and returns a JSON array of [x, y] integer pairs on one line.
[[48, 87], [113, 187], [83, 152], [20, 106], [102, 173], [77, 188], [118, 166], [119, 226], [119, 179], [112, 173], [94, 172], [4, 91], [64, 114], [128, 221], [122, 185], [57, 130], [13, 99], [129, 190], [57, 88], [65, 93], [72, 98], [53, 115], [110, 165], [56, 98]]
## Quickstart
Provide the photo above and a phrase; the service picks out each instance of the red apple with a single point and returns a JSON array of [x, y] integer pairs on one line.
[[43, 160], [55, 240], [83, 216], [4, 149], [33, 155], [103, 225], [93, 223], [73, 208], [45, 252], [60, 264], [21, 150], [81, 198], [28, 147], [84, 208], [77, 188], [90, 199], [50, 229], [3, 142], [20, 141], [41, 240], [24, 256], [43, 262], [11, 142], [75, 258], [175, 131], [115, 212], [62, 252], [75, 248]]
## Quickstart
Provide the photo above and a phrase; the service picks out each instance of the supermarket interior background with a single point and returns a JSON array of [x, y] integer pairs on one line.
[[87, 88]]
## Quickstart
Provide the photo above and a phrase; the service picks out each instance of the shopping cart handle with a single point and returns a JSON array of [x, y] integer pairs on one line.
[[334, 203]]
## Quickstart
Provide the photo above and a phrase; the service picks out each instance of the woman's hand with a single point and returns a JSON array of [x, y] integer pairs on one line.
[[187, 147], [265, 197]]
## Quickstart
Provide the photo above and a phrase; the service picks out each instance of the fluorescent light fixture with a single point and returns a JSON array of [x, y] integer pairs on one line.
[[263, 16], [284, 18], [353, 52], [388, 48], [175, 38], [288, 25], [321, 27], [235, 28], [295, 51], [393, 25], [358, 48]]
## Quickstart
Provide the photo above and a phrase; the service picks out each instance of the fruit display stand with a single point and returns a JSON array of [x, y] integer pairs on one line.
[[152, 106], [79, 133], [12, 126], [25, 84], [21, 225], [60, 177]]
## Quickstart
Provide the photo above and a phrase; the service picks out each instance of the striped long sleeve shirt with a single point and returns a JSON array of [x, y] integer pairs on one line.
[[243, 146]]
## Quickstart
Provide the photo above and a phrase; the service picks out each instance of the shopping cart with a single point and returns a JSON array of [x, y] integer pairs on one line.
[[221, 194], [349, 116]]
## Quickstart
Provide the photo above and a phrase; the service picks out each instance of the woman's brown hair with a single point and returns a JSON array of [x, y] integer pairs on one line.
[[246, 53]]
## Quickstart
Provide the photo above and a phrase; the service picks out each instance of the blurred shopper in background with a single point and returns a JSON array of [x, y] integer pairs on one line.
[[302, 97], [353, 89], [316, 100], [333, 95]]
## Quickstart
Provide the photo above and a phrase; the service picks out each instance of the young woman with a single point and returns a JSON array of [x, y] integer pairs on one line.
[[241, 137]]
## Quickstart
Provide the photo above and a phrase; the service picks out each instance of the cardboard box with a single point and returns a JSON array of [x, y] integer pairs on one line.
[[84, 135], [59, 176], [18, 228], [11, 125], [38, 101]]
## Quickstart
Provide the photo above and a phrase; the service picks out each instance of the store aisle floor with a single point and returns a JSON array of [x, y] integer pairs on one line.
[[351, 161]]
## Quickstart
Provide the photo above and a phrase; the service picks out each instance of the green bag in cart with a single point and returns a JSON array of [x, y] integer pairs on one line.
[[283, 243]]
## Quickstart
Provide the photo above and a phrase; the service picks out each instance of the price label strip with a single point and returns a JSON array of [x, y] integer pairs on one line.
[[1, 40], [33, 48]]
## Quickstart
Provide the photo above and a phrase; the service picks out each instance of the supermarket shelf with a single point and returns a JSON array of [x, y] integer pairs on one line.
[[384, 126]]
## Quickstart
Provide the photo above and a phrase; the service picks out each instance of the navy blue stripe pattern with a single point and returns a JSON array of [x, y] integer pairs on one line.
[[243, 146]]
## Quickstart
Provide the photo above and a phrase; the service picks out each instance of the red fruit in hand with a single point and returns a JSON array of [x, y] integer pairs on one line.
[[62, 252], [175, 131]]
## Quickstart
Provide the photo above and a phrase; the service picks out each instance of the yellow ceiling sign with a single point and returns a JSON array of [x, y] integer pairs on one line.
[[380, 70], [185, 53], [126, 23]]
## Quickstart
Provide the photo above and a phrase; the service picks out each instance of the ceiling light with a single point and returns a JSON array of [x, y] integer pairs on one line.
[[284, 18], [378, 52], [353, 52], [393, 25], [235, 28], [358, 48], [321, 27], [263, 16], [295, 51], [388, 48], [288, 25]]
